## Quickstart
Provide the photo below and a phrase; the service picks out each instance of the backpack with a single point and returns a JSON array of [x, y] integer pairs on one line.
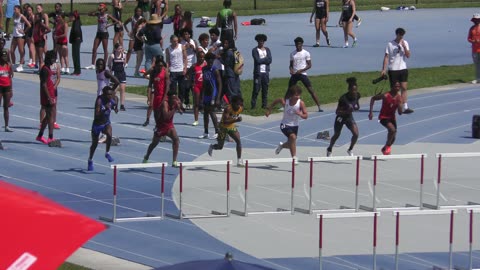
[[257, 21], [239, 61]]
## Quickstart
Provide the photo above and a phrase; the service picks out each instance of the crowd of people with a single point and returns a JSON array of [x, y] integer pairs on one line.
[[206, 68]]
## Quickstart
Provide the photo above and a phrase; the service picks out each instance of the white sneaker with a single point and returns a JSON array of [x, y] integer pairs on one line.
[[195, 123], [90, 67], [214, 137], [350, 153], [126, 65], [102, 138], [240, 163], [210, 150], [329, 153], [19, 68], [204, 136], [279, 148], [295, 160]]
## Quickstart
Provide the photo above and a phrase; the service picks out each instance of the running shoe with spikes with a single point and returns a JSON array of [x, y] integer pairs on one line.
[[147, 122], [8, 129], [175, 164], [279, 148], [41, 139], [110, 158], [90, 165], [350, 153]]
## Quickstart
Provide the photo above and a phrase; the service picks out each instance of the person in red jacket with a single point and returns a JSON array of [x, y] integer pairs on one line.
[[474, 38], [391, 102]]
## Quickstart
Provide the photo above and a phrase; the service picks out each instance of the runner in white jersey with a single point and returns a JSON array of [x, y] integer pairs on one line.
[[293, 109]]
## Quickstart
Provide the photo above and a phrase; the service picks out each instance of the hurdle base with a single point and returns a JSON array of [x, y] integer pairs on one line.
[[215, 214], [238, 213], [472, 203], [430, 206], [303, 211], [366, 208], [130, 219]]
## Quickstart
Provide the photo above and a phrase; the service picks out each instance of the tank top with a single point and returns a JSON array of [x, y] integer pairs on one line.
[[102, 81], [233, 115], [102, 21], [320, 6], [38, 32], [290, 118], [191, 52], [210, 85], [389, 106], [103, 118], [18, 27], [225, 18], [176, 58], [347, 10], [60, 30], [198, 75], [118, 63], [158, 89], [133, 21], [50, 87], [5, 79]]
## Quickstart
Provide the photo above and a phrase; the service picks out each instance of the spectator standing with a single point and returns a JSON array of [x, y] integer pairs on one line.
[[231, 80], [9, 14], [321, 10], [394, 63], [76, 39], [152, 34], [131, 34], [474, 38], [262, 58], [145, 6], [346, 21], [227, 22], [20, 27], [118, 27]]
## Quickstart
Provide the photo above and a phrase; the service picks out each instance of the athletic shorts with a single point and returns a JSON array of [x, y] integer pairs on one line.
[[299, 77], [101, 35], [62, 43], [97, 129], [162, 130], [320, 15], [385, 122], [117, 29], [398, 76], [5, 89], [197, 88], [137, 46], [343, 120], [287, 130], [222, 134], [40, 44], [121, 76]]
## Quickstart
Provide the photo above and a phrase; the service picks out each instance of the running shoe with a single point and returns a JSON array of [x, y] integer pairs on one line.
[[279, 148], [240, 163], [122, 108], [145, 160], [388, 150], [329, 152], [142, 71], [210, 150], [295, 161], [175, 164], [90, 165], [31, 65], [146, 123], [316, 45], [320, 109], [41, 139], [204, 136], [110, 158], [19, 68], [215, 136], [408, 111], [350, 153], [195, 123], [56, 126], [90, 67], [345, 46], [328, 42], [354, 43], [8, 129], [137, 75], [359, 21]]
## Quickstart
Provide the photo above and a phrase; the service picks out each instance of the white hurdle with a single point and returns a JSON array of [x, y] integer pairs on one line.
[[279, 210], [397, 214], [214, 213], [439, 174], [311, 160], [117, 167], [470, 212], [375, 158], [320, 217]]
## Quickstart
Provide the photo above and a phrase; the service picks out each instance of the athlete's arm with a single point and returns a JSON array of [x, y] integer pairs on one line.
[[385, 65], [235, 25], [327, 2], [113, 79], [219, 87], [275, 102], [372, 101], [303, 110]]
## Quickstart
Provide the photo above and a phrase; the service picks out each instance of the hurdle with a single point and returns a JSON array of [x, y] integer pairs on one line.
[[116, 168], [324, 159], [245, 212], [470, 212], [440, 157], [375, 158], [397, 215], [320, 217], [214, 214]]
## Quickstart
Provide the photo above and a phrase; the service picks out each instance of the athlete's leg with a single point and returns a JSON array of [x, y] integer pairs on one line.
[[337, 130], [94, 145], [96, 43], [317, 30], [6, 102], [153, 144], [236, 137], [105, 48], [354, 129], [172, 134], [292, 144], [392, 131]]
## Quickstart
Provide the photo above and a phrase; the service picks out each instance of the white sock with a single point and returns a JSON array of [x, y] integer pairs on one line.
[[405, 106]]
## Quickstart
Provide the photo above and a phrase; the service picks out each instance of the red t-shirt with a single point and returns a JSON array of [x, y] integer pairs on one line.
[[389, 106], [474, 38]]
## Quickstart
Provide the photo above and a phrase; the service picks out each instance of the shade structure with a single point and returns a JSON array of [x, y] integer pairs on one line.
[[37, 233]]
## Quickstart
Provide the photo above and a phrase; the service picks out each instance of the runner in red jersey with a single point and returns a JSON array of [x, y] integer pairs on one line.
[[391, 102], [157, 87], [164, 126], [47, 97], [6, 75]]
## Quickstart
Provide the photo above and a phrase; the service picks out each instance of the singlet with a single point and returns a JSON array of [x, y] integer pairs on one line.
[[54, 68], [158, 89], [176, 58], [50, 85], [225, 18], [60, 30], [162, 124], [38, 32], [233, 114], [102, 21], [103, 118], [18, 27], [118, 63], [320, 6], [102, 81], [210, 84], [347, 10], [198, 74], [191, 52], [117, 14], [389, 106], [345, 101], [5, 79], [133, 21], [290, 118]]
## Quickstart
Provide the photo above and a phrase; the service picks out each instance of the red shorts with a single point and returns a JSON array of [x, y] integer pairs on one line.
[[197, 88], [162, 130], [157, 102]]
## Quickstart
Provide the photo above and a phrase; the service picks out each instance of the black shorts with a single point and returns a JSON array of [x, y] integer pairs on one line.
[[320, 15], [5, 89], [137, 46], [40, 44], [287, 130], [299, 77], [398, 76], [117, 29], [343, 120], [101, 35], [121, 76], [385, 122]]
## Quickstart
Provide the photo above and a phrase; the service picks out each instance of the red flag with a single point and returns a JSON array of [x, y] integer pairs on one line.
[[37, 233]]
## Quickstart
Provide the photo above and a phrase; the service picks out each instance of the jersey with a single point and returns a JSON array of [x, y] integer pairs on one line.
[[46, 77], [158, 89], [290, 117], [389, 106], [232, 115], [5, 79], [106, 106], [226, 18], [102, 81], [346, 104], [210, 84]]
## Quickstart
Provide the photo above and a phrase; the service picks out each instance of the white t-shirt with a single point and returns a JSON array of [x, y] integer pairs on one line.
[[290, 117], [396, 55], [191, 52], [299, 60], [262, 53], [176, 58], [218, 49]]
